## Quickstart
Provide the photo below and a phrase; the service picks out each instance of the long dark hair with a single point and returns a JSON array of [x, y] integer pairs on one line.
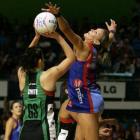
[[13, 102], [12, 105], [30, 58]]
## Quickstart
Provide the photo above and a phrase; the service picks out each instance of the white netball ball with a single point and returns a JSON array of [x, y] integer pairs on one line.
[[45, 22]]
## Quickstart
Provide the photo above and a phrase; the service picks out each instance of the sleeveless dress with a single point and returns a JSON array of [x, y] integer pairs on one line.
[[83, 91], [16, 131], [35, 124]]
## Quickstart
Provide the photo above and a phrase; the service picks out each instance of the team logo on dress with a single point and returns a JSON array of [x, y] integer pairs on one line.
[[77, 83], [32, 89]]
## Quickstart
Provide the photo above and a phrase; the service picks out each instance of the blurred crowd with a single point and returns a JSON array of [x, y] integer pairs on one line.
[[122, 57], [14, 39]]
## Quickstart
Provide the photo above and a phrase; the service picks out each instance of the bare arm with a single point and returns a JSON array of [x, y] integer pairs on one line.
[[33, 43], [69, 33], [63, 67], [35, 40], [112, 30], [64, 26], [8, 130]]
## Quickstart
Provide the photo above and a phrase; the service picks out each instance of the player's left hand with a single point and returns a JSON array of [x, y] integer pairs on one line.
[[53, 8], [112, 27]]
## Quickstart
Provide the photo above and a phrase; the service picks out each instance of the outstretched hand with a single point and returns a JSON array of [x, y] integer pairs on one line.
[[53, 35], [52, 8], [112, 27]]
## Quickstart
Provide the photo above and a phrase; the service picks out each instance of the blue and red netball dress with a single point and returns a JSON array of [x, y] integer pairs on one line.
[[84, 93]]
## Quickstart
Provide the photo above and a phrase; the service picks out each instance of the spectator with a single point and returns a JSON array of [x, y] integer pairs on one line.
[[13, 124]]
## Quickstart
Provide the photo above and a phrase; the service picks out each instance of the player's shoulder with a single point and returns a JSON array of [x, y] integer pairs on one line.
[[10, 121]]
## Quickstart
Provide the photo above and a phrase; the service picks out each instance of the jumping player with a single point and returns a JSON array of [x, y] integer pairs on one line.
[[68, 124], [35, 84], [86, 101]]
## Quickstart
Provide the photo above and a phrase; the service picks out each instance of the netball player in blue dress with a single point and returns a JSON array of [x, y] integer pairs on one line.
[[85, 100], [13, 124]]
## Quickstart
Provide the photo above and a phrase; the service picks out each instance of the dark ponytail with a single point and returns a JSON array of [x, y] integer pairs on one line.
[[30, 58]]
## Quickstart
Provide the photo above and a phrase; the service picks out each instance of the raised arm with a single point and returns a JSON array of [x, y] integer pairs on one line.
[[112, 30], [33, 43], [35, 40], [63, 67], [64, 26]]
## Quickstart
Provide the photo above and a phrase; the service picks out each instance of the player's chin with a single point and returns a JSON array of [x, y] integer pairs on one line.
[[18, 113]]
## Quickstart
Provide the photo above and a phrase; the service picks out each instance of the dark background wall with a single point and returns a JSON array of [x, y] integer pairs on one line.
[[99, 10]]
